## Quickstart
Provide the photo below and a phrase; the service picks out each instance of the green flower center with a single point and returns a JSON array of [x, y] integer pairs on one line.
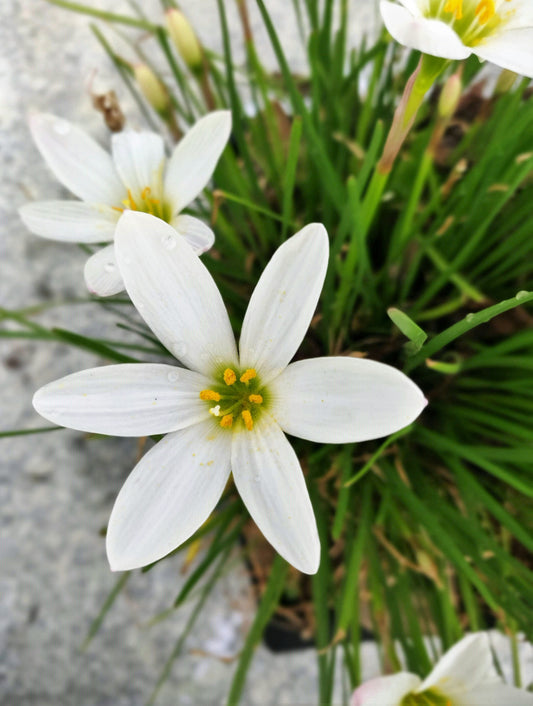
[[238, 398], [429, 697], [473, 20], [146, 202]]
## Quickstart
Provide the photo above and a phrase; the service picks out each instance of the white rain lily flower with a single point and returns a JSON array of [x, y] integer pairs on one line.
[[229, 410], [500, 31], [464, 676], [136, 176]]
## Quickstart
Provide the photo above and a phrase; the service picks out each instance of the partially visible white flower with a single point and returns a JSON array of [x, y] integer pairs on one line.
[[464, 676], [135, 176], [500, 31], [230, 409]]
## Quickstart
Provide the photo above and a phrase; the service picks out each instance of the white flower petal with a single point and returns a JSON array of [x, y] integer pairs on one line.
[[174, 292], [516, 14], [283, 302], [169, 494], [101, 273], [199, 235], [270, 481], [194, 159], [428, 36], [415, 7], [70, 221], [139, 159], [464, 667], [512, 50], [125, 400], [494, 695], [339, 400], [385, 691], [77, 160]]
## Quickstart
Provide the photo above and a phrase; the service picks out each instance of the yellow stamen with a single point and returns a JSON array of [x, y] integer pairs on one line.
[[130, 202], [229, 376], [145, 193], [227, 421], [485, 10], [117, 208], [247, 419], [455, 7], [255, 399], [248, 375], [209, 395]]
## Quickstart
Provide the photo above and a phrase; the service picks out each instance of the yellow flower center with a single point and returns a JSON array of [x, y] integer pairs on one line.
[[429, 697], [240, 398], [473, 20], [147, 203]]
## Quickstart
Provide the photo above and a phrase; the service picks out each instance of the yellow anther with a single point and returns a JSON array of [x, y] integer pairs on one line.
[[227, 421], [485, 10], [248, 375], [209, 395], [130, 202], [455, 7], [247, 419], [145, 193], [229, 376], [255, 399]]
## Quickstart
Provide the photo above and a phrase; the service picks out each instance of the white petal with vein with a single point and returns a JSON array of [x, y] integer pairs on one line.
[[385, 691], [428, 36], [125, 400], [169, 494], [101, 273], [197, 233], [139, 159], [194, 159], [70, 221], [174, 292], [77, 160], [339, 400], [512, 50], [284, 301], [269, 479]]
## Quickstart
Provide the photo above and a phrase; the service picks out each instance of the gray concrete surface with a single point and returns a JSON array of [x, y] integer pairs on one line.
[[57, 490]]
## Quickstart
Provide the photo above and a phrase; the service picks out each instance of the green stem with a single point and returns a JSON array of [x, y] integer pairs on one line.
[[107, 16]]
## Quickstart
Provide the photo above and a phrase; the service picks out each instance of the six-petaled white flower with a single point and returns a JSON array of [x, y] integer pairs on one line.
[[500, 31], [135, 176], [464, 676], [228, 409]]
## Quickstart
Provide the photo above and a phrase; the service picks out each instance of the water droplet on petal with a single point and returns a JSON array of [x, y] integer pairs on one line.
[[173, 376], [169, 241], [61, 127], [470, 317], [521, 295], [179, 348], [110, 267], [257, 478]]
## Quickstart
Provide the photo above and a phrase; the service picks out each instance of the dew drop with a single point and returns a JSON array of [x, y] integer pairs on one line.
[[521, 295], [257, 478], [110, 267], [179, 348], [140, 306], [168, 241], [173, 376], [470, 317], [62, 127]]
